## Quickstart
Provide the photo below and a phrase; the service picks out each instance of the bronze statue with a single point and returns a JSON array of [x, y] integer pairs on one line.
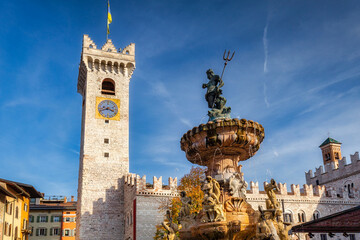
[[213, 96]]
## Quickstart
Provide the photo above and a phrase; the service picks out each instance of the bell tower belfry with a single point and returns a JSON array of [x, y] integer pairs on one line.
[[331, 151], [103, 82]]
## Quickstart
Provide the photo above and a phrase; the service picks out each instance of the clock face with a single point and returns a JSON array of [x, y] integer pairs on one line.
[[107, 108]]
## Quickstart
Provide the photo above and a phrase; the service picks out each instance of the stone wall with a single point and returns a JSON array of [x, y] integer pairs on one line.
[[149, 199], [343, 180]]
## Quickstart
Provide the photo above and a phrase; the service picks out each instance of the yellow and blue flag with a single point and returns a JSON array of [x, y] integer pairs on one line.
[[109, 18]]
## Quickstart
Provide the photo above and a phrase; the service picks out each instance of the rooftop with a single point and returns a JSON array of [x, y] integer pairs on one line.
[[329, 140]]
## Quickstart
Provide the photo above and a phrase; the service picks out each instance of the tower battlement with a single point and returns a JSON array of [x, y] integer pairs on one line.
[[105, 60], [156, 188], [331, 172]]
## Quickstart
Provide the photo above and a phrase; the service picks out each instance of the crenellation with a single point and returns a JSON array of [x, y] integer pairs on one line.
[[319, 190], [308, 190], [337, 175], [295, 189], [319, 171], [109, 46], [129, 49], [342, 163], [354, 157], [282, 188], [157, 184], [254, 187], [88, 43]]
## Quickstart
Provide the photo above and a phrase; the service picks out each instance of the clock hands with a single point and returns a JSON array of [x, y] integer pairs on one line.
[[107, 108]]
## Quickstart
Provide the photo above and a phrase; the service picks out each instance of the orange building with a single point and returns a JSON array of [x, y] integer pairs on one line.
[[68, 224]]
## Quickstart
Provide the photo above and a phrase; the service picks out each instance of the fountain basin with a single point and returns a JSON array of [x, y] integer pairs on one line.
[[221, 144]]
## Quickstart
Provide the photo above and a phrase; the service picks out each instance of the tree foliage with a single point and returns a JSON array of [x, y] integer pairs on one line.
[[191, 184]]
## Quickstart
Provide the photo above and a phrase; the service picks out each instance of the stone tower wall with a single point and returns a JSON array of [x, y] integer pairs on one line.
[[100, 190]]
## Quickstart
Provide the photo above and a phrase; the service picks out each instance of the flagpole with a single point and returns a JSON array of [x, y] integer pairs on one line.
[[107, 20]]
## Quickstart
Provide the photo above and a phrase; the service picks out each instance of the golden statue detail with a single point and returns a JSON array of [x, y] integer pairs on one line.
[[270, 223]]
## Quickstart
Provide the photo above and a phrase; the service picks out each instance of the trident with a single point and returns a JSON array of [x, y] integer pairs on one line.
[[226, 59]]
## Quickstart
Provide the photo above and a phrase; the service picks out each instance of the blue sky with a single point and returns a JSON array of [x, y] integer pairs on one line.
[[296, 71]]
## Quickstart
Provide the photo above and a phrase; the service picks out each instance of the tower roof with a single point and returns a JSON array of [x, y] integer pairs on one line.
[[329, 140]]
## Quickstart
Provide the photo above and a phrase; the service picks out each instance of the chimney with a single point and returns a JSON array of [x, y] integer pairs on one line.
[[65, 200], [72, 198]]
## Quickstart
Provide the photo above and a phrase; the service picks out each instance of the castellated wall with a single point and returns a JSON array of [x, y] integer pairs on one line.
[[143, 203], [308, 200], [341, 180]]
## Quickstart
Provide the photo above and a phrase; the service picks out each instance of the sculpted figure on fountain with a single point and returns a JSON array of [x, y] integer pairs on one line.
[[170, 227], [185, 218], [211, 203], [237, 185], [271, 220]]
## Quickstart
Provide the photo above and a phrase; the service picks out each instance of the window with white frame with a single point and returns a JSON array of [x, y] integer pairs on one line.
[[25, 207], [43, 218], [66, 232], [41, 232], [323, 236], [56, 231], [56, 218]]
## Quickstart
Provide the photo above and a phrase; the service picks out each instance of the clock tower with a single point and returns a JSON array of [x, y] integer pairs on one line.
[[104, 77]]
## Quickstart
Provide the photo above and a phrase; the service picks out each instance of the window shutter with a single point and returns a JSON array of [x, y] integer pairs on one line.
[[37, 232], [45, 231], [51, 231], [32, 219], [38, 219], [52, 218], [63, 233], [47, 218]]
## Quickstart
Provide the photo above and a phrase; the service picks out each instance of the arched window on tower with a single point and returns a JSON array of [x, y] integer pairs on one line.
[[108, 87]]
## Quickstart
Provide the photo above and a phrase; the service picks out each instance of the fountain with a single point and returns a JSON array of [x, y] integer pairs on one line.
[[220, 145]]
